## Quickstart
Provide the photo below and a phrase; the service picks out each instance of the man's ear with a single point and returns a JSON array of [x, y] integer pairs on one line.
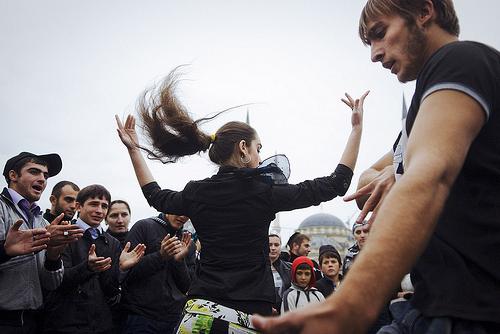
[[78, 207], [13, 175], [426, 15], [53, 200]]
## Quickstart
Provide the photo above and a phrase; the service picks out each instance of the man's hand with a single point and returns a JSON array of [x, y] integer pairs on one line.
[[171, 247], [376, 190], [97, 263], [183, 250], [130, 259], [20, 242], [62, 232], [312, 319]]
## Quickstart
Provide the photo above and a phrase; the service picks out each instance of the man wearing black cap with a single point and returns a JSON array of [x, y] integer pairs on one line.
[[330, 263], [27, 266]]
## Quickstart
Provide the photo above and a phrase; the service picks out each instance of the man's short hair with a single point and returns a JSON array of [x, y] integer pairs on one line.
[[446, 17], [93, 191], [275, 235], [56, 191], [328, 251], [299, 239]]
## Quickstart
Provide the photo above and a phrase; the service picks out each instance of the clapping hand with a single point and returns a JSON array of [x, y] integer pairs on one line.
[[130, 259], [172, 247], [97, 263], [20, 242]]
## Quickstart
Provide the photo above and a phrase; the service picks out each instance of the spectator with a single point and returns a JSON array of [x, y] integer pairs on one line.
[[118, 219], [280, 269], [82, 304], [301, 246], [302, 291], [285, 255], [62, 200], [154, 291], [30, 247], [330, 263], [360, 232]]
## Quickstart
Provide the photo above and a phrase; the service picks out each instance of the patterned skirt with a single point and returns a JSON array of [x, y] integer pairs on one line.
[[202, 316]]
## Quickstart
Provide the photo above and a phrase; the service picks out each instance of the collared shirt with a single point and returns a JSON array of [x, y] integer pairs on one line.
[[84, 226], [16, 198]]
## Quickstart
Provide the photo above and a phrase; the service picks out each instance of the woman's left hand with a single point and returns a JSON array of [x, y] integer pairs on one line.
[[357, 108]]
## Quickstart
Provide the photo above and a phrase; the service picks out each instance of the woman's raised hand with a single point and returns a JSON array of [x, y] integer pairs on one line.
[[356, 107], [127, 133]]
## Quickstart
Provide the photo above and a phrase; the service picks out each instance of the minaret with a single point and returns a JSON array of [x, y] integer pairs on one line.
[[248, 117], [275, 227], [275, 224]]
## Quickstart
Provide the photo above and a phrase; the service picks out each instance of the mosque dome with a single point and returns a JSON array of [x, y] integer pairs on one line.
[[321, 220]]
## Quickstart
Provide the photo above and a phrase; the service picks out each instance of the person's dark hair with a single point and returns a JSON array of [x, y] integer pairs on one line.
[[304, 266], [93, 191], [118, 201], [299, 239], [56, 191], [21, 163], [172, 132], [274, 235], [446, 17], [330, 255]]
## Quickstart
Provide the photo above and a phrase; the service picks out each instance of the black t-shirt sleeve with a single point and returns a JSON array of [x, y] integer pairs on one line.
[[466, 67]]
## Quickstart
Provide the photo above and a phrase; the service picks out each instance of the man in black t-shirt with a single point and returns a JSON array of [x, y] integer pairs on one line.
[[436, 196]]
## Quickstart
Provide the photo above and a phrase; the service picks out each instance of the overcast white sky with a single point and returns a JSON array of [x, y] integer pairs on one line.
[[67, 67]]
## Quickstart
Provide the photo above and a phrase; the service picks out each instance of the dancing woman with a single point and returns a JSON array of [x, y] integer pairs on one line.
[[231, 211]]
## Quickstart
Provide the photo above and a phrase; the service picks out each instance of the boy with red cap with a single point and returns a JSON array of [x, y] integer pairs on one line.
[[302, 291]]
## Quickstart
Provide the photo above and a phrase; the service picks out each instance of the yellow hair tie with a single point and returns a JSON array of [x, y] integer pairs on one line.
[[212, 137]]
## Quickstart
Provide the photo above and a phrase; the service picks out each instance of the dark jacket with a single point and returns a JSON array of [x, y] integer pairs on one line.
[[82, 303], [121, 237], [231, 212], [352, 252], [155, 288], [283, 268], [326, 286]]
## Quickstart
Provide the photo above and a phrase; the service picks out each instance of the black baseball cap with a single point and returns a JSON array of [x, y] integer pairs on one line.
[[53, 160]]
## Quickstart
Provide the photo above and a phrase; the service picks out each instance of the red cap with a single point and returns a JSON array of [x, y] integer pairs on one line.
[[300, 260]]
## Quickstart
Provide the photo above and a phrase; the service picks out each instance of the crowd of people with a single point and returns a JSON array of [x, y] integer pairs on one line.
[[424, 261]]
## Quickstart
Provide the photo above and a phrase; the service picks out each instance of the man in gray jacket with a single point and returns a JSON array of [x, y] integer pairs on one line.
[[30, 247]]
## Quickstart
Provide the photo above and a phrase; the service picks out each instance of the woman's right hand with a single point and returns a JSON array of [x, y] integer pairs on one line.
[[127, 133]]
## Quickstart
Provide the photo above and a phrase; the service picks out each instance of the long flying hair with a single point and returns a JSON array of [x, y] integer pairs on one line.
[[173, 134]]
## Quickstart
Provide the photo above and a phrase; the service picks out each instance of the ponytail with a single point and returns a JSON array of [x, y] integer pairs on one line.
[[172, 132]]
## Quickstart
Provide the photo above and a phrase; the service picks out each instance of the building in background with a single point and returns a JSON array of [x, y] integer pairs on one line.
[[326, 229]]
